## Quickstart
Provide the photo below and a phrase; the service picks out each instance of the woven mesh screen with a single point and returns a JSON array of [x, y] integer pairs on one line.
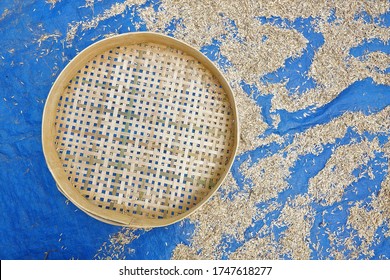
[[145, 130]]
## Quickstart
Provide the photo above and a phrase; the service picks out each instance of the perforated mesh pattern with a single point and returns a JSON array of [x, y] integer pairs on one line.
[[144, 130]]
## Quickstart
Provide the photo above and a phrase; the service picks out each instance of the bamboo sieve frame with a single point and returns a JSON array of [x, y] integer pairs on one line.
[[49, 132]]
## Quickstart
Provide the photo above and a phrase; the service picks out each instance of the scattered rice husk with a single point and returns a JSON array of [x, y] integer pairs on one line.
[[117, 246], [53, 2], [250, 47], [328, 186], [115, 10]]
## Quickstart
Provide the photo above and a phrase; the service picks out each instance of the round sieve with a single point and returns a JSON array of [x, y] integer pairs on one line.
[[140, 130]]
